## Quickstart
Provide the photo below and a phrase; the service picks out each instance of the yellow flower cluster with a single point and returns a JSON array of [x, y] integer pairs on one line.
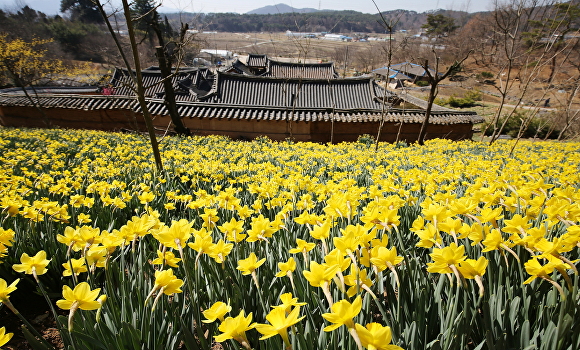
[[337, 217]]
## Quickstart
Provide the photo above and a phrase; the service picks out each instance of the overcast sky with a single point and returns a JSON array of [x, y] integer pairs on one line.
[[52, 6]]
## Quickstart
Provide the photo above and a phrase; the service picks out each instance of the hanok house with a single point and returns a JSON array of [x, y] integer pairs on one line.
[[262, 65], [245, 106], [414, 71]]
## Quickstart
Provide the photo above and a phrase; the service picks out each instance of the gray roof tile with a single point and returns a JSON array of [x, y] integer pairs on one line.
[[209, 110], [280, 69]]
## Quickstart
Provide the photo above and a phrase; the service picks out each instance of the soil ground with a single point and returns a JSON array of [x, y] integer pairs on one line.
[[34, 309]]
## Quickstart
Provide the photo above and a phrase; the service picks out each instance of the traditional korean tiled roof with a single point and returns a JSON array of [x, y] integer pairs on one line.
[[228, 111], [54, 90], [411, 69], [300, 70], [257, 60], [391, 73], [238, 67], [354, 93], [188, 83], [421, 103]]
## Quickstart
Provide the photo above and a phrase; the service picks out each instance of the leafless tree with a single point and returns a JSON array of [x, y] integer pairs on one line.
[[434, 78], [516, 67]]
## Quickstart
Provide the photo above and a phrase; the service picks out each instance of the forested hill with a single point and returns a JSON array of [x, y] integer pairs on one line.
[[323, 21]]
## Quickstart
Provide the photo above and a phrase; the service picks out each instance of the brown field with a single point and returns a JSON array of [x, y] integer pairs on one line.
[[363, 57]]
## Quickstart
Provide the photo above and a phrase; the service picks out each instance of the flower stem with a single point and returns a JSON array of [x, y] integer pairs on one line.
[[356, 338]]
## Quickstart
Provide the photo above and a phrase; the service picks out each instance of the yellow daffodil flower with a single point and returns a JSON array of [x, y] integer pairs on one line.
[[233, 230], [288, 301], [320, 273], [384, 258], [6, 289], [446, 260], [286, 267], [167, 258], [81, 297], [357, 279], [251, 263], [376, 337], [220, 251], [235, 328], [302, 246], [4, 337], [343, 313], [176, 235], [35, 265], [216, 312], [78, 266], [321, 232], [167, 282], [474, 269], [279, 323], [261, 229]]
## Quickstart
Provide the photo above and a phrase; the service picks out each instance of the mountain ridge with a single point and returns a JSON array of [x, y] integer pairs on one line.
[[282, 8]]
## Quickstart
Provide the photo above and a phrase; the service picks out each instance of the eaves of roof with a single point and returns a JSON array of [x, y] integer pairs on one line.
[[244, 112]]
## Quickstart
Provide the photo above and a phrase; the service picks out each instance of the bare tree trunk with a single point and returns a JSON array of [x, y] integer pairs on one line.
[[136, 77], [165, 65], [430, 101], [141, 88], [568, 110], [169, 97], [389, 26], [434, 80]]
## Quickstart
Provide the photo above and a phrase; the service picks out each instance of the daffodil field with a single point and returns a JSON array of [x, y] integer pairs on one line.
[[281, 245]]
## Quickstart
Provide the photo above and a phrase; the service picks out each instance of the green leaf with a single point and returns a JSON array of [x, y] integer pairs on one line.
[[94, 343], [525, 334], [128, 332], [188, 338], [480, 346], [513, 313]]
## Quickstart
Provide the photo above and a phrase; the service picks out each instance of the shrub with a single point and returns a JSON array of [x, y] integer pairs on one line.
[[441, 101], [486, 75], [461, 102], [422, 83], [474, 95], [468, 100]]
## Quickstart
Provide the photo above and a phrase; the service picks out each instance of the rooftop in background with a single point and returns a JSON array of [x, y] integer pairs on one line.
[[262, 65], [411, 69], [80, 90], [391, 73]]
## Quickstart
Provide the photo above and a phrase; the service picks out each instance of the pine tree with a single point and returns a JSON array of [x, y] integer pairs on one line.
[[82, 10], [145, 13]]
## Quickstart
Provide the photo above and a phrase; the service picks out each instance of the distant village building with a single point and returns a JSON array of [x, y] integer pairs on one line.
[[292, 34], [414, 71], [394, 77], [337, 37]]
